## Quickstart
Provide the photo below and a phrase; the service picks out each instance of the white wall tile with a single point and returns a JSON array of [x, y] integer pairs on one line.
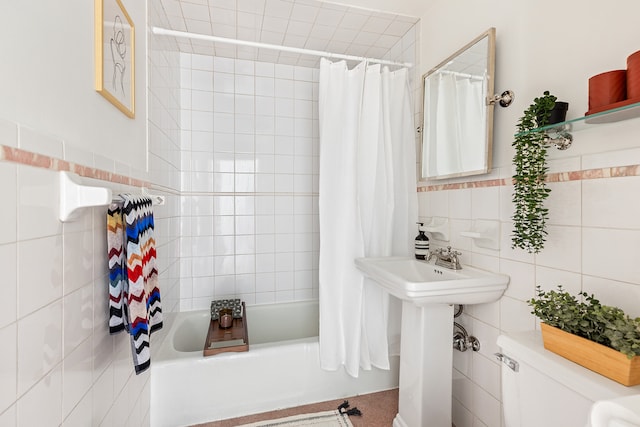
[[486, 407], [245, 67], [487, 313], [202, 100], [103, 395], [284, 107], [487, 335], [225, 65], [284, 126], [223, 82], [244, 85], [284, 88], [564, 203], [9, 417], [284, 71], [42, 285], [223, 102], [225, 284], [550, 278], [626, 252], [77, 376], [77, 318], [624, 157], [202, 80], [618, 294], [264, 69], [485, 203], [486, 374], [37, 203], [80, 416], [78, 259], [245, 264], [244, 146], [8, 192], [36, 142], [606, 203], [515, 315], [562, 250], [201, 121], [244, 143], [461, 416], [46, 396], [522, 279], [203, 287], [462, 389], [8, 133], [265, 144], [202, 62], [8, 367], [39, 345], [9, 300], [265, 224]]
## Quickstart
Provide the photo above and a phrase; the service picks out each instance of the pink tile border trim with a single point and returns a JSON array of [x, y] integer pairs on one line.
[[463, 185], [17, 155], [23, 157], [608, 172]]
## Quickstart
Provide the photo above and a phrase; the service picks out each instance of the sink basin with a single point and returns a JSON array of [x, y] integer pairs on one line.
[[424, 283]]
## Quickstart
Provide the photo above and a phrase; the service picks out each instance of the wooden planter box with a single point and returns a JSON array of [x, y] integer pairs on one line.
[[596, 357]]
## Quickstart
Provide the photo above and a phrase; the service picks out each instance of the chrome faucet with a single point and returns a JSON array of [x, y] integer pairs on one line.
[[447, 258]]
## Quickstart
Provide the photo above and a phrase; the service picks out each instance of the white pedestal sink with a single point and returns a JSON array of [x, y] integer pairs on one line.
[[426, 355]]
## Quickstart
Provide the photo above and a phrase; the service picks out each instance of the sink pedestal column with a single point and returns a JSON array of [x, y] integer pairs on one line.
[[426, 363]]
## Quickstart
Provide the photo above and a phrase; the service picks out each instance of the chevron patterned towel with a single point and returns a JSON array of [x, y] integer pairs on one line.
[[118, 285], [134, 299]]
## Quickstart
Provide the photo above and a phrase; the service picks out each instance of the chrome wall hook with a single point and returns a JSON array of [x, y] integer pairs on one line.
[[504, 99]]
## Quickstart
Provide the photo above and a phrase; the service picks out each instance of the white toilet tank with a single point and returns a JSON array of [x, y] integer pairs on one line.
[[546, 390]]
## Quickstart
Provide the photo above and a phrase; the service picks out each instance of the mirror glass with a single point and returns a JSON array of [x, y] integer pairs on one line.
[[457, 129]]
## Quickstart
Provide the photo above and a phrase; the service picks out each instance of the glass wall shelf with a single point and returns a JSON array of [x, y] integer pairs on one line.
[[581, 123]]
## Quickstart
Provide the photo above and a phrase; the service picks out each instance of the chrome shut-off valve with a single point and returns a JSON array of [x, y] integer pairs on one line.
[[462, 341]]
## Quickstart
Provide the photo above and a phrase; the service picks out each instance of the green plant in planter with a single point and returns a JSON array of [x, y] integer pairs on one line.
[[589, 319], [530, 189]]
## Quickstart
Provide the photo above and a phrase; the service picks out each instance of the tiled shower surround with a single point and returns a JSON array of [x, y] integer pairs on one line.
[[249, 200], [249, 149]]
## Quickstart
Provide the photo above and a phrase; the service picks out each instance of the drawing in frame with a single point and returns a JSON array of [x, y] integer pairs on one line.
[[115, 53]]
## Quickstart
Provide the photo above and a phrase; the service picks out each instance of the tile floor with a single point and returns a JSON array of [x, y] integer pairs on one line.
[[378, 410]]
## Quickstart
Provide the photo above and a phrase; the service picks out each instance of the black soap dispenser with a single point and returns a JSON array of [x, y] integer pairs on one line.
[[422, 243]]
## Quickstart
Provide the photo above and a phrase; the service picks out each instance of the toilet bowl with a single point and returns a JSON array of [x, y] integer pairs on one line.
[[620, 412], [540, 388]]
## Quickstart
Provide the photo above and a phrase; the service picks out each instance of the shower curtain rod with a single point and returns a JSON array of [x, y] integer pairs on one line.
[[184, 34], [463, 75]]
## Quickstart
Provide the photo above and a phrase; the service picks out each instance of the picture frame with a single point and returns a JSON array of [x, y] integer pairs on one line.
[[115, 55]]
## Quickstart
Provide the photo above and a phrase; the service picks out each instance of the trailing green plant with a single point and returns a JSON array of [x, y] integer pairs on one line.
[[589, 319], [530, 188]]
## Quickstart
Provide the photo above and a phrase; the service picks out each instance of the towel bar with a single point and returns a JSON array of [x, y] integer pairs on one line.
[[75, 196]]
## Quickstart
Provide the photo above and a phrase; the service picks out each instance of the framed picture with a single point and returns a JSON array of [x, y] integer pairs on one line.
[[115, 53]]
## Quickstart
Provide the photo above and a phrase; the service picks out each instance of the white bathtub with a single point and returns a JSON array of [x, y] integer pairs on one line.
[[280, 370]]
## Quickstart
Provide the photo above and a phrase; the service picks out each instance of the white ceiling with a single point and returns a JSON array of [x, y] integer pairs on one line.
[[309, 24]]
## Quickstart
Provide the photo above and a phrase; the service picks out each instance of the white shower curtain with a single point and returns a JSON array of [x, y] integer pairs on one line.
[[368, 205], [454, 110]]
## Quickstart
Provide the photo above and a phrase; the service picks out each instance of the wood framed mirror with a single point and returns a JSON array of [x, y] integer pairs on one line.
[[457, 131]]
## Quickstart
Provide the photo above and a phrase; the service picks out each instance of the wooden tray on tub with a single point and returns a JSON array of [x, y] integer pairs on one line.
[[235, 338]]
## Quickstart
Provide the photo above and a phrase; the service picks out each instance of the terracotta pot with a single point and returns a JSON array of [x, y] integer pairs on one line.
[[607, 88], [633, 75]]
